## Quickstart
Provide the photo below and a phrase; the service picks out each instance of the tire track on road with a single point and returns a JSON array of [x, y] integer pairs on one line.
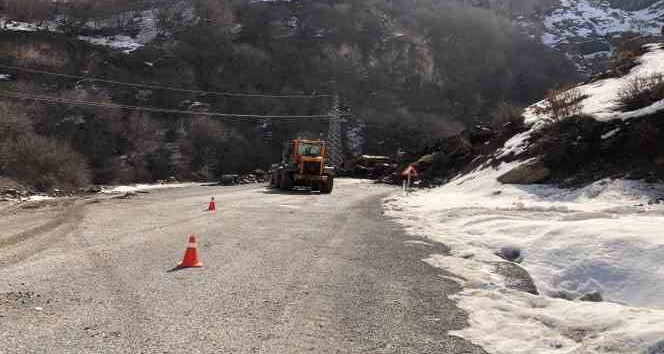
[[44, 236], [124, 303]]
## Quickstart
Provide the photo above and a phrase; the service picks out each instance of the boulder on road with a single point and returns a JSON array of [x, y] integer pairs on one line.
[[510, 253], [516, 277], [594, 296]]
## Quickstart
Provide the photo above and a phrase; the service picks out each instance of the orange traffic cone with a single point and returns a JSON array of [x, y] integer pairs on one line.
[[190, 256], [213, 205]]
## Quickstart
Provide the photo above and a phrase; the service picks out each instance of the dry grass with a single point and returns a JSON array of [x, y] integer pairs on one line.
[[44, 163], [38, 161], [641, 91], [562, 103]]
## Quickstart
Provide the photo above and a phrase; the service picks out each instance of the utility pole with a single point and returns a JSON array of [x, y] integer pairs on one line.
[[335, 146]]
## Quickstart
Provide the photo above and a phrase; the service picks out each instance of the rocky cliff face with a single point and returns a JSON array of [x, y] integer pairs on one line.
[[588, 31]]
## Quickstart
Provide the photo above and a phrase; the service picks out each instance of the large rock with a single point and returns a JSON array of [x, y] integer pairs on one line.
[[510, 253], [593, 296], [529, 173], [516, 277]]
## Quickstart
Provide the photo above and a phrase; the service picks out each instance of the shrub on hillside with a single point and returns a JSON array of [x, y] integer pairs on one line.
[[641, 91], [507, 114], [14, 123], [43, 162], [562, 103], [26, 10], [567, 145]]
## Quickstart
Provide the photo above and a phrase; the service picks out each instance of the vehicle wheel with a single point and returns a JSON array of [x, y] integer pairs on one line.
[[277, 180], [286, 182], [326, 187]]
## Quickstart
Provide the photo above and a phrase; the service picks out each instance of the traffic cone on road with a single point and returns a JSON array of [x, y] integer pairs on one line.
[[213, 205], [190, 256]]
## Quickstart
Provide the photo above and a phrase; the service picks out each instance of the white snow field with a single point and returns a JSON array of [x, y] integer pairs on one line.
[[605, 237]]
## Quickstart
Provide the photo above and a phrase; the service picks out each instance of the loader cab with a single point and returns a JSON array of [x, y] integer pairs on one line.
[[300, 148], [303, 165]]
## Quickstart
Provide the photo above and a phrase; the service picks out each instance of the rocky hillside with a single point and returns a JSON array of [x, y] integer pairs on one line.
[[609, 127]]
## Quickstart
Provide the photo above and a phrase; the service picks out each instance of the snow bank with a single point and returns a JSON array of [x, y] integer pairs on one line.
[[604, 237], [143, 187], [350, 181], [36, 198], [508, 321], [601, 102]]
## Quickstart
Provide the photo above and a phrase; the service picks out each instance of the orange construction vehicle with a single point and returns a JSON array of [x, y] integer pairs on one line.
[[303, 165]]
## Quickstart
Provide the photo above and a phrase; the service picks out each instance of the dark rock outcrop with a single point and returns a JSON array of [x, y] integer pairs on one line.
[[529, 173]]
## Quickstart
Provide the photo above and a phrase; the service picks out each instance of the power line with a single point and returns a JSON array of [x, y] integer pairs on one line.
[[160, 87], [20, 95]]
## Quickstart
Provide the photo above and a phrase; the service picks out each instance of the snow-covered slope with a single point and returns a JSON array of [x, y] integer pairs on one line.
[[606, 237], [601, 100], [575, 20]]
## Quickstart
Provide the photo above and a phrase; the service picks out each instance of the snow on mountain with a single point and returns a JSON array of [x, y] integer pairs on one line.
[[142, 28], [145, 22], [603, 238], [576, 20]]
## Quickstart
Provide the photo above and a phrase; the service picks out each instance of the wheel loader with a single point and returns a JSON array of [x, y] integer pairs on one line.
[[303, 165]]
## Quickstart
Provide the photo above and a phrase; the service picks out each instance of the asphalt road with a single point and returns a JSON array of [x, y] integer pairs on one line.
[[283, 273]]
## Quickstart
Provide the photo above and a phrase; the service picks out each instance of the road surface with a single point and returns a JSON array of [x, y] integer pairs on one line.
[[283, 273]]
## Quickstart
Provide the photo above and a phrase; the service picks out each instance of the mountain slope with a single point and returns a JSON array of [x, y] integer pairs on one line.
[[588, 31]]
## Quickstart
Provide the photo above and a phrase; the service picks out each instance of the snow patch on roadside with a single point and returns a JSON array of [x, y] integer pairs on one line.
[[351, 181], [604, 237], [36, 198], [143, 187]]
